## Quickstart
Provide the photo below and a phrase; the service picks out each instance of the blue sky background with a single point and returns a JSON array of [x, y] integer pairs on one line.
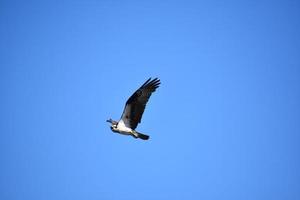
[[224, 124]]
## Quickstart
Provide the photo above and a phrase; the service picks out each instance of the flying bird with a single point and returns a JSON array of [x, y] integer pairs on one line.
[[134, 109]]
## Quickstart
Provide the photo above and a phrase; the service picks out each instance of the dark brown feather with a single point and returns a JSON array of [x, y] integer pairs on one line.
[[136, 104]]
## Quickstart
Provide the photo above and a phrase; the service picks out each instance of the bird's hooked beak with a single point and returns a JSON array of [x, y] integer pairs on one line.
[[109, 120]]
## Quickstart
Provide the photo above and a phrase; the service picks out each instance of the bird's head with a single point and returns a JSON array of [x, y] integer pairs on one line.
[[113, 123]]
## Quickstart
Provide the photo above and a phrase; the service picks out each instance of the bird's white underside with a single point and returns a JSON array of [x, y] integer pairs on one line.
[[123, 128]]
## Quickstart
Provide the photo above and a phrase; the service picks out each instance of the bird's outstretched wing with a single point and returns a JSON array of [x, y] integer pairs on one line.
[[136, 104]]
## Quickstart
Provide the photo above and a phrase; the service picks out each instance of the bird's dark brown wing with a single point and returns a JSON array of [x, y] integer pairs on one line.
[[136, 104]]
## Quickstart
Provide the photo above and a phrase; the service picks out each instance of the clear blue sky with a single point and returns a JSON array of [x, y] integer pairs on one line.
[[225, 123]]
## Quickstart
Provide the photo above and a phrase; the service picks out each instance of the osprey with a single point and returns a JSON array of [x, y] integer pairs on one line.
[[134, 109]]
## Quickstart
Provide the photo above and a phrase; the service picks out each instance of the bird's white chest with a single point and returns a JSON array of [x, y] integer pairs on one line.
[[123, 128]]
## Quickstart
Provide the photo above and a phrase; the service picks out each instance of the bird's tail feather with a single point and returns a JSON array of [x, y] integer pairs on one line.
[[141, 136]]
